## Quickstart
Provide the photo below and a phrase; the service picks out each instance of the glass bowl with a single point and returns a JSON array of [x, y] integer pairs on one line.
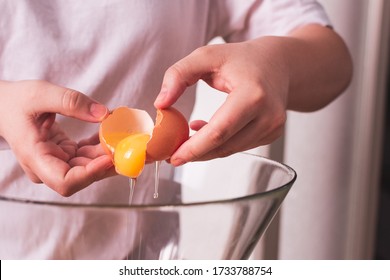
[[219, 210]]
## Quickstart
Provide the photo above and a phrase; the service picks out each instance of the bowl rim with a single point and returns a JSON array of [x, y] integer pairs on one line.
[[164, 206]]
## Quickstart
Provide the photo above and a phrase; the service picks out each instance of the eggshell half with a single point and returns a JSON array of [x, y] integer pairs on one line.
[[123, 120], [170, 131]]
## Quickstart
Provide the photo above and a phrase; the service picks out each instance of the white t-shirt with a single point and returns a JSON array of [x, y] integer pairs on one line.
[[116, 52]]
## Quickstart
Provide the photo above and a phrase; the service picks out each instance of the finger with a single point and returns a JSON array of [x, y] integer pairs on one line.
[[64, 143], [47, 120], [69, 147], [93, 140], [67, 180], [255, 134], [90, 151], [197, 124], [60, 145], [79, 161], [65, 101], [185, 73], [236, 112], [79, 177], [31, 175], [83, 161], [50, 148]]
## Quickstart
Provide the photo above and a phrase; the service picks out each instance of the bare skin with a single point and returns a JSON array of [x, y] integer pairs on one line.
[[263, 78], [44, 151]]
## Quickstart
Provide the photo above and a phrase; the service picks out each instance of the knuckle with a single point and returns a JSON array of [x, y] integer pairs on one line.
[[64, 189], [276, 127], [35, 179], [204, 51], [280, 119], [224, 151], [257, 99], [71, 100], [179, 76], [58, 184], [278, 133], [65, 192], [214, 55], [192, 153], [68, 188], [218, 136], [176, 71], [182, 71], [176, 74]]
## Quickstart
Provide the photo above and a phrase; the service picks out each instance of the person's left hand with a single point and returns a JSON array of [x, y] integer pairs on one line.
[[264, 77], [254, 112]]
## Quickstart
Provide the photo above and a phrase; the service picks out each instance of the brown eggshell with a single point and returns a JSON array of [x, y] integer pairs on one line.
[[123, 120], [170, 131]]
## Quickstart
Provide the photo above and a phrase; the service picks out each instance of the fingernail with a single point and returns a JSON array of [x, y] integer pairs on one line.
[[161, 96], [99, 111]]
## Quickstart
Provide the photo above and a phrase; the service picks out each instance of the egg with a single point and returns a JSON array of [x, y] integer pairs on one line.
[[132, 139], [130, 155]]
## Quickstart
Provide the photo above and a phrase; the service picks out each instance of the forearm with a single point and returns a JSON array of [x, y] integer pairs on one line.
[[317, 63]]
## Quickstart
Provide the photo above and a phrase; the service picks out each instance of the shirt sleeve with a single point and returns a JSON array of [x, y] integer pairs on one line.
[[238, 20]]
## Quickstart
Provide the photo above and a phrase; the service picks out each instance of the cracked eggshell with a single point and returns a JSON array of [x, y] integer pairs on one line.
[[170, 131], [122, 122]]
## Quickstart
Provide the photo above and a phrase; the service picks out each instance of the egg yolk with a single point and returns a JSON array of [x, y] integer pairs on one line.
[[114, 138], [130, 154]]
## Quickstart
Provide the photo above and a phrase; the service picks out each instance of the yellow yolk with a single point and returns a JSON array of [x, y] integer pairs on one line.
[[114, 138], [130, 154]]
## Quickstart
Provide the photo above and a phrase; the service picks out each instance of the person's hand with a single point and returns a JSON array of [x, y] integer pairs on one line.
[[44, 151], [263, 78], [254, 112]]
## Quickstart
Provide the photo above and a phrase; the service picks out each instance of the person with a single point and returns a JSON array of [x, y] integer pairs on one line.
[[65, 64]]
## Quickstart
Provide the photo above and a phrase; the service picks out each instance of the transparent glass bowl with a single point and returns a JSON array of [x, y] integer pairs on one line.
[[221, 210]]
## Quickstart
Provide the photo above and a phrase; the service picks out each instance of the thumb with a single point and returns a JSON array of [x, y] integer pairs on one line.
[[183, 74], [68, 102]]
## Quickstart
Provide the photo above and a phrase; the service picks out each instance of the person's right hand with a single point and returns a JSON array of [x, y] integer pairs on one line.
[[44, 151]]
